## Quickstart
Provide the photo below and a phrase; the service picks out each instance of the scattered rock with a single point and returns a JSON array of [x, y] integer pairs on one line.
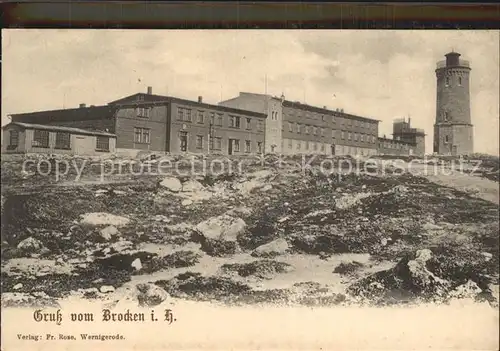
[[487, 256], [272, 249], [263, 269], [162, 218], [18, 286], [30, 246], [192, 186], [28, 300], [196, 286], [223, 227], [409, 279], [347, 268], [186, 202], [172, 184], [348, 200], [218, 235], [178, 259], [150, 294], [107, 289], [266, 188], [431, 226], [136, 264], [399, 189], [103, 218], [239, 211], [469, 290], [109, 232]]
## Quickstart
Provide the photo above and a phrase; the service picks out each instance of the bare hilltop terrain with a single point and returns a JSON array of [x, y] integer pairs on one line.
[[267, 232]]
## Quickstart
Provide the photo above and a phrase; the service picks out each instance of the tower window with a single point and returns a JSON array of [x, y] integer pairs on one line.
[[459, 80], [447, 81], [446, 139], [445, 116]]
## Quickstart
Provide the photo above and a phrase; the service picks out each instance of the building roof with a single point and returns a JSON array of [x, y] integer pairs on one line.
[[59, 129], [143, 98], [73, 114], [297, 104]]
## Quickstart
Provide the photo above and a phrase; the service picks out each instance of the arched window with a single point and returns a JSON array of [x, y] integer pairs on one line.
[[459, 80], [445, 116], [447, 81], [446, 139]]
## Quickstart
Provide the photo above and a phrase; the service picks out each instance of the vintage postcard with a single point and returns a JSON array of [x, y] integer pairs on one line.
[[243, 190]]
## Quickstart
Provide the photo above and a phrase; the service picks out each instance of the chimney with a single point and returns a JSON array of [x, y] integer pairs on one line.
[[324, 107], [82, 105], [150, 90], [200, 99]]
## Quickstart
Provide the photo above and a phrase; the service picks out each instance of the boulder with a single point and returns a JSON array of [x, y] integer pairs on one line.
[[186, 202], [172, 184], [192, 186], [103, 218], [109, 232], [469, 290], [223, 227], [30, 245], [410, 279], [136, 264], [348, 200], [150, 294], [107, 289], [249, 186], [272, 249]]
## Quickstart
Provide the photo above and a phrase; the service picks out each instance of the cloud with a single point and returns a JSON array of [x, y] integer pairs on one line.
[[378, 74]]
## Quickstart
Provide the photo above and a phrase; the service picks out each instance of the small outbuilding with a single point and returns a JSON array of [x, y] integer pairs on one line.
[[21, 137]]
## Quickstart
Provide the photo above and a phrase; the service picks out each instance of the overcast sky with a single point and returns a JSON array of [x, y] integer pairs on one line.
[[377, 74]]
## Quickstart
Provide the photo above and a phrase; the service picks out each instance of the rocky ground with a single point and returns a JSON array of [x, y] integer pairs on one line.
[[266, 235]]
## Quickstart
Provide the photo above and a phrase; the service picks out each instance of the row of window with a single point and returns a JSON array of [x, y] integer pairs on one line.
[[216, 144], [305, 145], [306, 128], [216, 119], [63, 140], [41, 139], [358, 137], [321, 131], [343, 121], [397, 146]]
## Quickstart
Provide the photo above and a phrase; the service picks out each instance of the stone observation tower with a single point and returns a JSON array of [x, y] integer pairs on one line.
[[453, 132]]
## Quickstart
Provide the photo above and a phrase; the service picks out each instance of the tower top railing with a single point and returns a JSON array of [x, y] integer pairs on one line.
[[462, 63]]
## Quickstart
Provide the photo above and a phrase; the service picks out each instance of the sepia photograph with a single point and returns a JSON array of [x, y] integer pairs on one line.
[[226, 189]]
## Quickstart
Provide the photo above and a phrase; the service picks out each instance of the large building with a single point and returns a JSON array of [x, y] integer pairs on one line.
[[148, 122], [297, 128], [247, 124], [453, 130]]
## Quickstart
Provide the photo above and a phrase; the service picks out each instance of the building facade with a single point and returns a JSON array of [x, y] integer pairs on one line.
[[270, 106], [49, 139], [247, 124], [296, 128], [388, 146], [415, 137], [155, 123], [453, 130]]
